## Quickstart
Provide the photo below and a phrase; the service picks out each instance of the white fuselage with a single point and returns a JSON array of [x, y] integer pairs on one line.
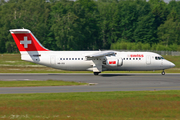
[[77, 60], [97, 61]]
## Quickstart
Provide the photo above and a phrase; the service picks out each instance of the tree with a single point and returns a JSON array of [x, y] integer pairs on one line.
[[74, 27], [145, 31], [169, 32], [160, 11]]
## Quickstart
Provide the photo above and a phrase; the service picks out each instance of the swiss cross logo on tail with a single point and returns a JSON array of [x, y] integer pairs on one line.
[[25, 42]]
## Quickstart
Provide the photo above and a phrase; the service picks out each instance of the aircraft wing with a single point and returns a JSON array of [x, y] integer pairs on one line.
[[100, 54]]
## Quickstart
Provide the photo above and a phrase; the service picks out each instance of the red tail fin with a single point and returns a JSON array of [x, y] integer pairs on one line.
[[26, 41]]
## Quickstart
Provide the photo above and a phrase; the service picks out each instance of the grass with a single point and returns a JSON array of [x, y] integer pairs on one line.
[[11, 63], [174, 59], [136, 105], [14, 60], [38, 83], [139, 105]]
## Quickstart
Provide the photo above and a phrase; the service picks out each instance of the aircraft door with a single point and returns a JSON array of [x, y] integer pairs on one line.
[[148, 60], [53, 60]]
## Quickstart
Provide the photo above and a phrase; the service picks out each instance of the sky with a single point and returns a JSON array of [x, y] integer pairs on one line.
[[167, 1]]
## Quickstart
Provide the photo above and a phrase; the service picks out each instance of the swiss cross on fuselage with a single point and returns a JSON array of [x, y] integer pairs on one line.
[[25, 42]]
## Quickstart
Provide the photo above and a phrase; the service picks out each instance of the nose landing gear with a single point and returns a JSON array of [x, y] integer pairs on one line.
[[163, 73]]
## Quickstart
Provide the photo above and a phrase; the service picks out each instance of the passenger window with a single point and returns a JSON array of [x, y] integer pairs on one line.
[[72, 58], [75, 58], [129, 58], [81, 58], [63, 58], [126, 58], [136, 58], [66, 58], [69, 58], [78, 58], [133, 58], [60, 58], [139, 58]]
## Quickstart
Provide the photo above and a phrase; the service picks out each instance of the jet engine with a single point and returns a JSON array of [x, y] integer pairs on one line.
[[113, 62]]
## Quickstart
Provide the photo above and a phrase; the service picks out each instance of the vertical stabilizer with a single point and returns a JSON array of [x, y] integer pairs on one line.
[[26, 41]]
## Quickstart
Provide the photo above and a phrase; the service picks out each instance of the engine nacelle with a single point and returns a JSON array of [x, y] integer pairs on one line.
[[114, 62]]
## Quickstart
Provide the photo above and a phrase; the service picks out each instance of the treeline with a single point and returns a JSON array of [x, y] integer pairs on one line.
[[92, 25], [144, 46]]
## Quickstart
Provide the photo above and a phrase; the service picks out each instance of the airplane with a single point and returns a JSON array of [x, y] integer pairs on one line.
[[96, 61]]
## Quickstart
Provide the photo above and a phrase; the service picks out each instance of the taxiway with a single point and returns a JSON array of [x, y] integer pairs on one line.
[[104, 82]]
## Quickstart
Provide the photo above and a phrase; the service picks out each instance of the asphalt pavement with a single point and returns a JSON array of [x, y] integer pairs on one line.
[[103, 82]]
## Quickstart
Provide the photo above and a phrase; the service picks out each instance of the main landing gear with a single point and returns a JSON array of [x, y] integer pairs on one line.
[[96, 73], [163, 73]]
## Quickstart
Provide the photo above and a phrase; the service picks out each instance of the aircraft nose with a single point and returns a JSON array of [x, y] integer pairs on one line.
[[172, 64]]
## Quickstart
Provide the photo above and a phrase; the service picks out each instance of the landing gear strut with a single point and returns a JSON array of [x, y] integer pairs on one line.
[[96, 73], [163, 73]]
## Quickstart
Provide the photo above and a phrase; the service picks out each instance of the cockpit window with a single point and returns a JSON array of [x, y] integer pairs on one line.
[[158, 58]]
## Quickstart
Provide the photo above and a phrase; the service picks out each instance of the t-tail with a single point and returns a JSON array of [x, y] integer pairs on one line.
[[28, 44]]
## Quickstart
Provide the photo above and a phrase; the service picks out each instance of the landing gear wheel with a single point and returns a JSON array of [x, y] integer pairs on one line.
[[96, 73], [163, 73]]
